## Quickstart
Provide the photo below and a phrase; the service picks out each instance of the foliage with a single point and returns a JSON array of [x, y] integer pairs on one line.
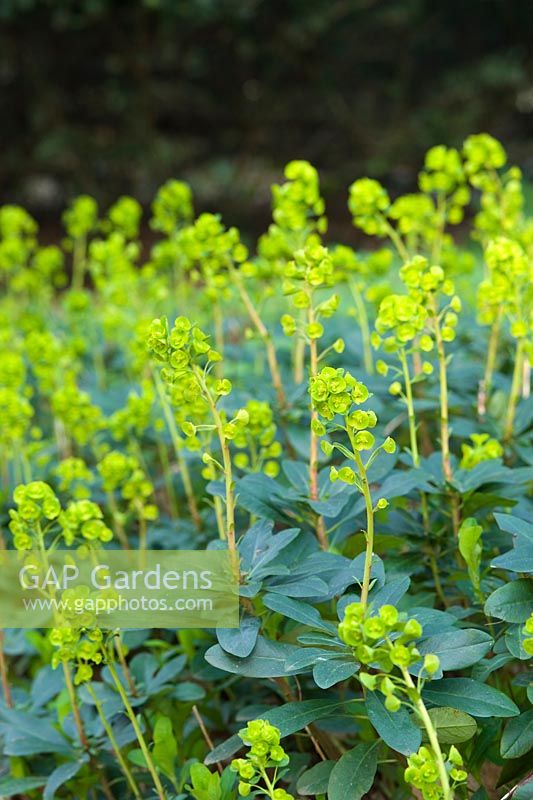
[[210, 395]]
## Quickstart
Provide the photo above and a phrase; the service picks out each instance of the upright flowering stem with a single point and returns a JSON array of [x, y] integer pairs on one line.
[[492, 353], [138, 732], [265, 336], [515, 389], [184, 470], [114, 744], [369, 551], [443, 388], [74, 706], [299, 360], [444, 423], [363, 325], [422, 712], [410, 407], [229, 533], [313, 447]]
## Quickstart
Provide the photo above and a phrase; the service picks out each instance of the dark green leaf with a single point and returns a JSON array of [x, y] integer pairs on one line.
[[315, 780], [468, 695], [353, 774], [517, 739], [396, 729], [452, 726], [512, 602]]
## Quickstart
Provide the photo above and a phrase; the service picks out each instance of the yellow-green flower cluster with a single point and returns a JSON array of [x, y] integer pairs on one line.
[[424, 283], [310, 270], [508, 286], [124, 217], [483, 156], [83, 518], [297, 202], [135, 417], [265, 752], [422, 772], [212, 249], [370, 637], [369, 204], [172, 206], [444, 175], [483, 448], [74, 476], [335, 391], [400, 320], [124, 472], [49, 358], [37, 505], [16, 413], [258, 437], [81, 418], [298, 212], [385, 642], [186, 345], [112, 262], [81, 217], [78, 646]]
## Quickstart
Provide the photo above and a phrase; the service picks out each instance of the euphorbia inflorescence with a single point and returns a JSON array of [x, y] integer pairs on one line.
[[265, 753]]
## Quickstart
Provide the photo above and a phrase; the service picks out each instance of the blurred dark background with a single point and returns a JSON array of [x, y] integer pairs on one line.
[[116, 96]]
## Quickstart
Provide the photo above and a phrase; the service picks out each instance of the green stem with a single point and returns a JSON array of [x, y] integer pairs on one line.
[[410, 408], [138, 732], [362, 317], [299, 358], [218, 318], [491, 355], [74, 706], [228, 474], [369, 552], [313, 445], [167, 476], [78, 263], [432, 735], [265, 336], [184, 471], [111, 736], [117, 521], [515, 390]]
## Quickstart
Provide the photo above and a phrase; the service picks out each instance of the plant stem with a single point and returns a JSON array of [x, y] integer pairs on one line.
[[443, 388], [167, 475], [432, 735], [299, 359], [139, 734], [363, 325], [111, 736], [74, 705], [184, 471], [228, 474], [119, 527], [218, 318], [313, 445], [369, 552], [515, 390], [219, 508], [410, 408], [78, 263], [491, 354], [263, 332], [444, 421]]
